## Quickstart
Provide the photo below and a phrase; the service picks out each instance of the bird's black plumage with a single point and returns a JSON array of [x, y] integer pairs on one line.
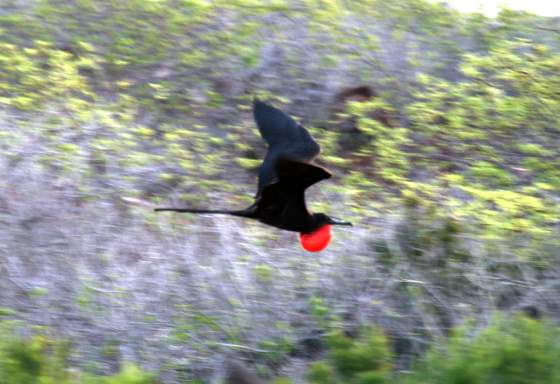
[[284, 175], [286, 139]]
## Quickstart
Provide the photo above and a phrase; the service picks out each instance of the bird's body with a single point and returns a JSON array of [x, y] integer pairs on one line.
[[284, 175]]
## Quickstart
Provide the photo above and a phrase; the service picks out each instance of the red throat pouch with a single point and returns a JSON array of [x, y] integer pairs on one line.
[[317, 240]]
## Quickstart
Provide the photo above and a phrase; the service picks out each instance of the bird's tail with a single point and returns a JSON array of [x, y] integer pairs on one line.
[[242, 213]]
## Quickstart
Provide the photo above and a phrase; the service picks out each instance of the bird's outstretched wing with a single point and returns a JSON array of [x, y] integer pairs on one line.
[[299, 175], [281, 132], [286, 140]]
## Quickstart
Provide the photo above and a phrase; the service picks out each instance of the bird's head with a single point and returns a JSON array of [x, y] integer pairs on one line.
[[322, 219], [319, 239]]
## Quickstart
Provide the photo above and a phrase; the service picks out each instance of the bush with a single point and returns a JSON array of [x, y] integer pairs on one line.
[[516, 350], [39, 360], [510, 351], [362, 361]]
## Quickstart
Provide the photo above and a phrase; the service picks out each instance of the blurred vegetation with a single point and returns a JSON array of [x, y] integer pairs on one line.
[[515, 350], [42, 360], [126, 92], [365, 360], [450, 167]]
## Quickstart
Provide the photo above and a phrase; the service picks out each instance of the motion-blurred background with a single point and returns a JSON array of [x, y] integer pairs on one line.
[[442, 130]]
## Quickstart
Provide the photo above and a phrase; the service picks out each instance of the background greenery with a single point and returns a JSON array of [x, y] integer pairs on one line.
[[450, 172]]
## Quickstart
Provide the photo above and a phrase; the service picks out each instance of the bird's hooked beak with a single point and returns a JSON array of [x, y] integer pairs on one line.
[[338, 222]]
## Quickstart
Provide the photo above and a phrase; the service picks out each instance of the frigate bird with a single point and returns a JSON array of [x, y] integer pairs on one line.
[[286, 172]]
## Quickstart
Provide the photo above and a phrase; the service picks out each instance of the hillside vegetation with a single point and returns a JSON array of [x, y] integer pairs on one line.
[[442, 131]]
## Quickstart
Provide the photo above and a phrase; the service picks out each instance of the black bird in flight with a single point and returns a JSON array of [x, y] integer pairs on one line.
[[285, 174]]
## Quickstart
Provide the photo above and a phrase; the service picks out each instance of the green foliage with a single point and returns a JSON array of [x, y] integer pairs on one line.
[[40, 360], [486, 133], [428, 237], [365, 360], [146, 99], [514, 351], [282, 380], [130, 374], [31, 77], [321, 372], [264, 273], [6, 312], [382, 145], [496, 129]]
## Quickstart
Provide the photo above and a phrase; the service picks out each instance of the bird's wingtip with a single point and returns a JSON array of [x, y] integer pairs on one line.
[[258, 104]]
